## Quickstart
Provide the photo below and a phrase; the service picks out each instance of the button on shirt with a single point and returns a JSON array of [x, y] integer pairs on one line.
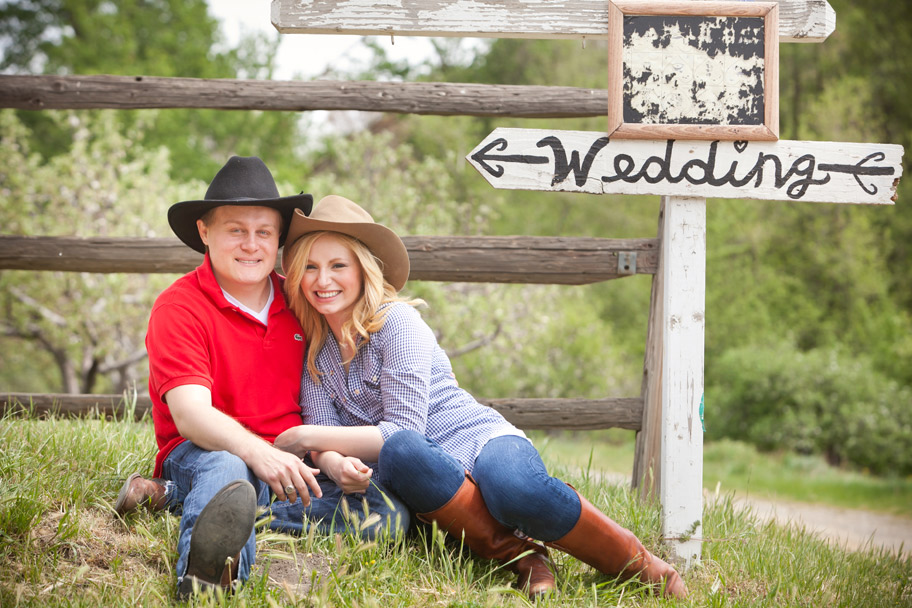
[[401, 379]]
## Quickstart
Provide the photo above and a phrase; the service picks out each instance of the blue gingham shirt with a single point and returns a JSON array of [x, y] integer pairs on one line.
[[401, 379]]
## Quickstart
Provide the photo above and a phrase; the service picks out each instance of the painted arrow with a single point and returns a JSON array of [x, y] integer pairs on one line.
[[590, 162], [482, 156]]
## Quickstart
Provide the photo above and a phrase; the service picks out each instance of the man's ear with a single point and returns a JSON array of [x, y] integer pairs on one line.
[[203, 232]]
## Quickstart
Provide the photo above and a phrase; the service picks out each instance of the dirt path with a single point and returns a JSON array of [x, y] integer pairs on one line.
[[850, 528]]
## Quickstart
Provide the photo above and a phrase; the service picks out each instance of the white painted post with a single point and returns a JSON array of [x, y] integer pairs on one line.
[[684, 275]]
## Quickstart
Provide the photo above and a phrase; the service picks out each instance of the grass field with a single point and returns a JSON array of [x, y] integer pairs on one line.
[[60, 544]]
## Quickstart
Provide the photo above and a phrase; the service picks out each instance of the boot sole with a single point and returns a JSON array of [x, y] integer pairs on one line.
[[220, 532], [122, 496]]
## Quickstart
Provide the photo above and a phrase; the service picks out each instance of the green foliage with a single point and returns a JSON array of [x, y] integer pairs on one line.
[[541, 62], [96, 37], [90, 324], [813, 276], [814, 402], [149, 38], [545, 341], [854, 88]]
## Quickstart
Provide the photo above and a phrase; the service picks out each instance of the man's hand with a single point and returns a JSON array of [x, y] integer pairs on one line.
[[349, 473], [283, 470], [211, 429]]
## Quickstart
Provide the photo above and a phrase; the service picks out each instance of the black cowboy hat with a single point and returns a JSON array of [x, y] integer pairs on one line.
[[243, 181]]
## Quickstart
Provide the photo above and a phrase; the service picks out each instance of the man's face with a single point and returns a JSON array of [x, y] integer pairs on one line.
[[243, 243]]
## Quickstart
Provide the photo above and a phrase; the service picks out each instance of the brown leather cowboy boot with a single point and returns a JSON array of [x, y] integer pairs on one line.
[[138, 491], [219, 534], [466, 517], [600, 542]]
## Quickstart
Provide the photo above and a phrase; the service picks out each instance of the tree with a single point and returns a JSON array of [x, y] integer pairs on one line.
[[90, 325], [156, 38]]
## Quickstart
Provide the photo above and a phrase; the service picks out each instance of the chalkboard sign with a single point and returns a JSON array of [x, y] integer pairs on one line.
[[694, 70]]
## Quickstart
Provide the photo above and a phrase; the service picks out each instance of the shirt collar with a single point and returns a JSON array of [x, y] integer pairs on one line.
[[211, 287]]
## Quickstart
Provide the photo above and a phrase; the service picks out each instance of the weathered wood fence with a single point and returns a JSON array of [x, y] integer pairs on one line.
[[543, 260]]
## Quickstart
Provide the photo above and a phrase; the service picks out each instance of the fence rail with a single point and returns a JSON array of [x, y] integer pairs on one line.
[[493, 259], [48, 92], [567, 414]]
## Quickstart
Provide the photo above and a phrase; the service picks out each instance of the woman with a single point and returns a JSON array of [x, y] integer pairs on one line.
[[379, 389]]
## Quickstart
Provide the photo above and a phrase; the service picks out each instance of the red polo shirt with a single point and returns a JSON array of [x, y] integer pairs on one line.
[[253, 371]]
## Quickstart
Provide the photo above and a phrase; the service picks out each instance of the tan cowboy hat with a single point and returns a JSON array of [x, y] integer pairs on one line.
[[244, 181], [338, 214]]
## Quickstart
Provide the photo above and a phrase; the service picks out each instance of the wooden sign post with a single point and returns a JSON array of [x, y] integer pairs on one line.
[[685, 173], [693, 88]]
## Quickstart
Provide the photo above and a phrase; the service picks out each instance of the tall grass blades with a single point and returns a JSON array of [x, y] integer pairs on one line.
[[61, 545]]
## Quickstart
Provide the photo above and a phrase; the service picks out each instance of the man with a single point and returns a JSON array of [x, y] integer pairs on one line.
[[225, 362]]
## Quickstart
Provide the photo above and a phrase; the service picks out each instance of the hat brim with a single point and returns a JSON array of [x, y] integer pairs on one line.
[[182, 216], [383, 243]]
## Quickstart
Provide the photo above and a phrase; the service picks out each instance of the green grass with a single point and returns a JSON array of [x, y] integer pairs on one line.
[[60, 545], [740, 468]]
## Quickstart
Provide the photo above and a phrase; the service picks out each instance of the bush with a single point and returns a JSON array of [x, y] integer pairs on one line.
[[815, 402]]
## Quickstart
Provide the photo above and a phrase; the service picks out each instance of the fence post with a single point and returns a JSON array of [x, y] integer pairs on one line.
[[684, 281], [647, 457]]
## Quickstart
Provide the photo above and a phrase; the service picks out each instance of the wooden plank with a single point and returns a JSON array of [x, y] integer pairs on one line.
[[49, 92], [97, 254], [590, 162], [647, 462], [570, 414], [799, 20], [499, 259], [66, 405], [683, 310], [513, 259]]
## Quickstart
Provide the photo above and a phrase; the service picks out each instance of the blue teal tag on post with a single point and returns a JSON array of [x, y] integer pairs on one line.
[[703, 424]]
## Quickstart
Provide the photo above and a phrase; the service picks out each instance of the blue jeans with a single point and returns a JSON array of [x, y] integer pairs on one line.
[[509, 472], [198, 474]]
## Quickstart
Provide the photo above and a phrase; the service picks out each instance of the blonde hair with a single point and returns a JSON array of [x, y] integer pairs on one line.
[[369, 313]]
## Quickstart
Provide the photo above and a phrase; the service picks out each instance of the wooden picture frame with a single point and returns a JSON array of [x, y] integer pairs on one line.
[[693, 70]]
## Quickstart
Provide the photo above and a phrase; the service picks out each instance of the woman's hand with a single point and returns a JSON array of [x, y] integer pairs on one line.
[[294, 440], [349, 473]]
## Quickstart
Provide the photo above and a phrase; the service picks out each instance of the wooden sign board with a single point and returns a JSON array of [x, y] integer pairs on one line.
[[693, 70], [799, 20], [590, 162]]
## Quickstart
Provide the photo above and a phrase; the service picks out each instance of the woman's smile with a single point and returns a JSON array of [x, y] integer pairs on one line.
[[328, 294]]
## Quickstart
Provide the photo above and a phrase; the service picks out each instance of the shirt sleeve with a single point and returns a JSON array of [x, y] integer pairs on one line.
[[177, 343], [407, 346], [316, 405]]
